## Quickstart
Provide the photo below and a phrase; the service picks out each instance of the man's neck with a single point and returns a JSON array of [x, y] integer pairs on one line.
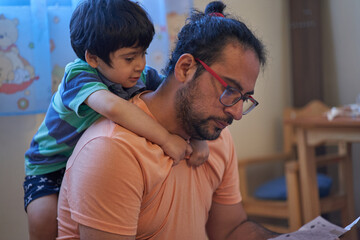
[[161, 104]]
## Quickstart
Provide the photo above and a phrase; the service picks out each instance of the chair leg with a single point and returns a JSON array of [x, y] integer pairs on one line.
[[346, 186], [293, 189]]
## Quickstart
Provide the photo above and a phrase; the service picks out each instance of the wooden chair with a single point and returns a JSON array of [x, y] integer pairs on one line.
[[290, 209], [278, 209]]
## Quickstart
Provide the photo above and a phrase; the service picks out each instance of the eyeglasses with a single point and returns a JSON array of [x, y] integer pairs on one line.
[[231, 95]]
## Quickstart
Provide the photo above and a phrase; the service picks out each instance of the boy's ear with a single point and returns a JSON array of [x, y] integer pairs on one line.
[[185, 67], [91, 59]]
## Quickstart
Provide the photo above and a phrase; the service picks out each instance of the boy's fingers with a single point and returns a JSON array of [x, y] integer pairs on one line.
[[188, 151], [175, 162]]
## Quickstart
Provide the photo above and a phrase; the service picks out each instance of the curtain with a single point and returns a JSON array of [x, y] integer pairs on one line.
[[35, 47]]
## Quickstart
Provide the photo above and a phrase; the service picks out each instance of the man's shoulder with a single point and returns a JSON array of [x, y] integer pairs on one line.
[[137, 100], [105, 128], [115, 140]]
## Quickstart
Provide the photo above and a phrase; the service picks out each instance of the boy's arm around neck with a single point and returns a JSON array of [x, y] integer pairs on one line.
[[134, 119]]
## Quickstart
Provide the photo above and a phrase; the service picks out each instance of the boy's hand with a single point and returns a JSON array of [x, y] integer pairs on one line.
[[200, 153], [176, 147]]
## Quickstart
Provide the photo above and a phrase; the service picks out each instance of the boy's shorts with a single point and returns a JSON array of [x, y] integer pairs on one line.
[[36, 186]]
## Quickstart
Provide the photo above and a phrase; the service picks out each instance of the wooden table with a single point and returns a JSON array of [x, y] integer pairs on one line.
[[310, 132]]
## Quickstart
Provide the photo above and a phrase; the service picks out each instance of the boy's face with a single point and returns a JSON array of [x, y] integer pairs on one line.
[[127, 66]]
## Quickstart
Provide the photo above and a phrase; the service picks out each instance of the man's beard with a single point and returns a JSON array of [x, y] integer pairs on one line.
[[191, 119]]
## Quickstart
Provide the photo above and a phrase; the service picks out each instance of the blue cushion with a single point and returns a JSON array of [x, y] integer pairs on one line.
[[276, 189]]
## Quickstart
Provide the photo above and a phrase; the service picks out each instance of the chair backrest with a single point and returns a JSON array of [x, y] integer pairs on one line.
[[313, 108]]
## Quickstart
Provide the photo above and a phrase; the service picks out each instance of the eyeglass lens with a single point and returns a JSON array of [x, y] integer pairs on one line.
[[231, 96]]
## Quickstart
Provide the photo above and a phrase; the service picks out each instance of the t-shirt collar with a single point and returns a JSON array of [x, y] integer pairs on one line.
[[119, 90]]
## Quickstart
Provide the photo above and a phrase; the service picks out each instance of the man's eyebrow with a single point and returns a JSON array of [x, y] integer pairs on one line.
[[238, 85]]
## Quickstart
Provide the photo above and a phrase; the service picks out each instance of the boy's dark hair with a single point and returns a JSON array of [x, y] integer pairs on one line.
[[104, 26], [206, 34]]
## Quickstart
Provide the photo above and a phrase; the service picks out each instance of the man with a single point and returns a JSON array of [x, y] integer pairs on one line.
[[121, 186]]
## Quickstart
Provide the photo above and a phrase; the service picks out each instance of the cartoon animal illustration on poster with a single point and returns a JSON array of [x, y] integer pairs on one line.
[[16, 73]]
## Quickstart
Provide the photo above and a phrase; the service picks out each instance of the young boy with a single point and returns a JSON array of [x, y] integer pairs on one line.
[[110, 37]]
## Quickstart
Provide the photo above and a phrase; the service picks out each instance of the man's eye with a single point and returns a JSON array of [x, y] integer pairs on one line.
[[231, 92]]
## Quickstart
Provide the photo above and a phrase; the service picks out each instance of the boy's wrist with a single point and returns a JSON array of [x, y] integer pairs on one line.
[[165, 139]]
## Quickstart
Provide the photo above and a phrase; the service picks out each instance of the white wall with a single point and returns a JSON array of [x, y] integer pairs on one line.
[[16, 133], [341, 55]]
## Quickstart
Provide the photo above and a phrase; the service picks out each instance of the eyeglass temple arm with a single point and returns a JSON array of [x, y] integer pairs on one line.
[[256, 102], [212, 72]]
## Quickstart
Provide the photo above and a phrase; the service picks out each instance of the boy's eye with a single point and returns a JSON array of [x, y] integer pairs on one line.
[[129, 59]]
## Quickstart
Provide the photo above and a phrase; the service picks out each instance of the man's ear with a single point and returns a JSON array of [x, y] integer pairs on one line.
[[185, 67], [91, 59]]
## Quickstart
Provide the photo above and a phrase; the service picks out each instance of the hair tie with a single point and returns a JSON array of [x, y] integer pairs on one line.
[[216, 14]]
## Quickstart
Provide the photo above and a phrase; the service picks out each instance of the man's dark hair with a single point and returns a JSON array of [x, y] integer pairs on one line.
[[206, 34], [104, 26]]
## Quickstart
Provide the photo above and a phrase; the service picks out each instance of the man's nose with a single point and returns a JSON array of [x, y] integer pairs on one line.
[[236, 110]]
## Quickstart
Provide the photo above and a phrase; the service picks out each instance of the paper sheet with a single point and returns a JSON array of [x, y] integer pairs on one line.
[[319, 229]]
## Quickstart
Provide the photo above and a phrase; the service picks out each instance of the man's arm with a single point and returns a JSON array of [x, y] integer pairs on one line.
[[89, 233], [230, 222]]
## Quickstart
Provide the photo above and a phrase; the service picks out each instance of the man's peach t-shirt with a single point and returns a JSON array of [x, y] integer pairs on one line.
[[121, 183]]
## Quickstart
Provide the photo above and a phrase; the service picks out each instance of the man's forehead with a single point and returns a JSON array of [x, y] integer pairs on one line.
[[238, 66]]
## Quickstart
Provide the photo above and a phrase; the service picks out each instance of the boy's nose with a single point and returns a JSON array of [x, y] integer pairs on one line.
[[140, 65]]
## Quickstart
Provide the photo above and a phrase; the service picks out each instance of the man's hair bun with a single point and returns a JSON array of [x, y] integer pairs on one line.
[[215, 7]]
